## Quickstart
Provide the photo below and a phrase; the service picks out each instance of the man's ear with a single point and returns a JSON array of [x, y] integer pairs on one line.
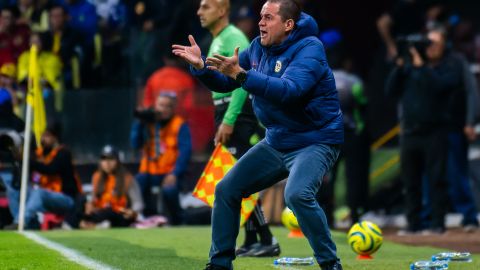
[[289, 25], [224, 11]]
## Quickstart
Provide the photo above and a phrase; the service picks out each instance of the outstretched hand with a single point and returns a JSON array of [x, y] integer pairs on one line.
[[227, 65], [191, 54]]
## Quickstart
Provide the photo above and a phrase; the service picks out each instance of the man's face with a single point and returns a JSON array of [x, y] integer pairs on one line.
[[25, 3], [35, 40], [437, 48], [57, 19], [6, 19], [48, 140], [272, 27], [164, 108], [209, 13], [6, 81]]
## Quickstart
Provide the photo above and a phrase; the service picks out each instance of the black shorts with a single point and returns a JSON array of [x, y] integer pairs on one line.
[[245, 126]]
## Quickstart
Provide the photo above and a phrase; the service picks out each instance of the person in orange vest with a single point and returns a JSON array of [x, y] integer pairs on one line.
[[115, 197], [165, 141], [57, 187], [11, 130]]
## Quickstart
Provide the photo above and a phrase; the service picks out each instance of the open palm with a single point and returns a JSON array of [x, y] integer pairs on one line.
[[226, 65], [191, 54]]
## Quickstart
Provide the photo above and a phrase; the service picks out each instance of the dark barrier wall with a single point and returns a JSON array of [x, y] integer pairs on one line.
[[93, 118]]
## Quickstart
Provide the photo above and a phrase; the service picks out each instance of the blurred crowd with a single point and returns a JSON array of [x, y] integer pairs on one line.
[[426, 74]]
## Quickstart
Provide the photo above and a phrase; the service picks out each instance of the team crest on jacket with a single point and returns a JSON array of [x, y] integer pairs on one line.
[[278, 66]]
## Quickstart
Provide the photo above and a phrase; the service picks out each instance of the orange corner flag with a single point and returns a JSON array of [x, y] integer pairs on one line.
[[217, 167]]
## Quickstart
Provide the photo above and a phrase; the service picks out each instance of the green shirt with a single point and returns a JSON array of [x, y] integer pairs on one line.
[[224, 44]]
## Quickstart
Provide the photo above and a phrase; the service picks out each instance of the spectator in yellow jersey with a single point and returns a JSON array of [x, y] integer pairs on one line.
[[49, 69]]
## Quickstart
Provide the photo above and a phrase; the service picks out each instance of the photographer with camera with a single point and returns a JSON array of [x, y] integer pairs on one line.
[[11, 129], [56, 188], [165, 140], [425, 82]]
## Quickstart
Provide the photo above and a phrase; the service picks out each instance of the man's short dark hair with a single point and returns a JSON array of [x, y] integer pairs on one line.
[[55, 129], [55, 6], [441, 30], [170, 95], [289, 9]]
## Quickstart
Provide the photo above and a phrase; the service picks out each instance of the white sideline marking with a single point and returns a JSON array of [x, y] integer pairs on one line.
[[68, 253]]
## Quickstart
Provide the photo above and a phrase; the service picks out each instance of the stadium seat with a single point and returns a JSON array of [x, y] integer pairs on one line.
[[51, 221], [3, 202]]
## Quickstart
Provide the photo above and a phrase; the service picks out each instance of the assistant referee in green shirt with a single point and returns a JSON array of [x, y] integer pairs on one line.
[[234, 118]]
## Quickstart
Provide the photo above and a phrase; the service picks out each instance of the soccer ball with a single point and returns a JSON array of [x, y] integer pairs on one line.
[[289, 220], [365, 238]]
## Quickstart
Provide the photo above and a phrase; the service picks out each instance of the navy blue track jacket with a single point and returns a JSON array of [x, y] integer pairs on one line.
[[292, 86]]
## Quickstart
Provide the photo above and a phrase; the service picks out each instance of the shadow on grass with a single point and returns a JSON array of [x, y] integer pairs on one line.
[[125, 255]]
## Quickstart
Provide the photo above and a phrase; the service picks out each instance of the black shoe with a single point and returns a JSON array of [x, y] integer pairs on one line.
[[245, 249], [215, 267], [265, 251], [336, 265]]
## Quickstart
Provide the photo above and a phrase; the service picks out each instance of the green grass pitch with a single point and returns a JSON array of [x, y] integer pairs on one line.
[[186, 248]]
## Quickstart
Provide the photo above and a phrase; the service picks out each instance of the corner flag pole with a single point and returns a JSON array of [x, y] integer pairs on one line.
[[31, 95], [25, 163]]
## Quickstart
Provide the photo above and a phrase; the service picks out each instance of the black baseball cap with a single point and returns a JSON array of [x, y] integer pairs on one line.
[[109, 151]]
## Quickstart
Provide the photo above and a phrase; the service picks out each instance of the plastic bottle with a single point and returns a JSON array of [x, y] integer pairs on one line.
[[429, 265], [453, 256], [294, 261]]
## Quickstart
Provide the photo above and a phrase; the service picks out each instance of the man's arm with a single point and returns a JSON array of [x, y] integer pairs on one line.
[[358, 93], [384, 26], [238, 95], [238, 98], [215, 80]]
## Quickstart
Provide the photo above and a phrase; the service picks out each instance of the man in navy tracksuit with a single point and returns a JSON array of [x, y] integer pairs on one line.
[[294, 96]]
